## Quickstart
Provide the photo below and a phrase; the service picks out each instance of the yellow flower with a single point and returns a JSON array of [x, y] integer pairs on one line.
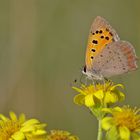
[[123, 124], [61, 135], [14, 128], [99, 94]]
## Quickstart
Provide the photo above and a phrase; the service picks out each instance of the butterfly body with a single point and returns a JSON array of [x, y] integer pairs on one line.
[[106, 54]]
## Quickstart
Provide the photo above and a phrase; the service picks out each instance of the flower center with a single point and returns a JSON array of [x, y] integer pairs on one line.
[[61, 135], [8, 128], [127, 118]]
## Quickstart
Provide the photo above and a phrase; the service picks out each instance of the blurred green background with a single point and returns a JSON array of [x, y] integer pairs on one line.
[[42, 50]]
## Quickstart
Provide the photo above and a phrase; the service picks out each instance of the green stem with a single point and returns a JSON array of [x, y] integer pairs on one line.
[[100, 135]]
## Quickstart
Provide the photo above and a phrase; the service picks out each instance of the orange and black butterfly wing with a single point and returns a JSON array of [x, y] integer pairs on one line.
[[101, 34]]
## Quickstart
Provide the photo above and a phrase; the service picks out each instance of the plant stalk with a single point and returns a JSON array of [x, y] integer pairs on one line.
[[100, 135]]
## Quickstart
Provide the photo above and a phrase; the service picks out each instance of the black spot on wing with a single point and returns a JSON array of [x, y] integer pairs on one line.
[[107, 38], [95, 42], [110, 33], [93, 50], [100, 31], [97, 32], [102, 36]]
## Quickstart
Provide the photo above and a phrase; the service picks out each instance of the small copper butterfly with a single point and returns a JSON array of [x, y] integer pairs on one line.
[[106, 54]]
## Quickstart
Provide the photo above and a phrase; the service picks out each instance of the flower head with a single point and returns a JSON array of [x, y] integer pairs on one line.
[[99, 94], [124, 122], [14, 128], [61, 135]]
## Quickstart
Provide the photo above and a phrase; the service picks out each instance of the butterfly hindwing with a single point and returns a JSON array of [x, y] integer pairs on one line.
[[115, 59]]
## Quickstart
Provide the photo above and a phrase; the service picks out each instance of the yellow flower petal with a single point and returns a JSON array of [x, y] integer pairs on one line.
[[41, 126], [89, 100], [124, 133], [31, 122], [22, 118], [61, 135], [107, 110], [40, 132], [107, 123], [115, 86], [121, 95], [14, 128], [110, 97], [79, 99], [118, 109], [103, 94], [79, 90], [27, 128], [114, 98], [18, 136], [13, 116], [126, 120], [2, 117], [99, 94]]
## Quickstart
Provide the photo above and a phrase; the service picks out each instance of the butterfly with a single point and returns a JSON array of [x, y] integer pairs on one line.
[[106, 54]]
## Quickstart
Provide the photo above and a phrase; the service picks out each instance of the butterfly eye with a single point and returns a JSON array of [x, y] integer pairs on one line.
[[85, 69]]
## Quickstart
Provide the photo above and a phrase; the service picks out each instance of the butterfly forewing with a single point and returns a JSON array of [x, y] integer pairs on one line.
[[101, 34], [99, 23]]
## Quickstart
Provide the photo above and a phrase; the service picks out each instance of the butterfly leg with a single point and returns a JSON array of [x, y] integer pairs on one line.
[[86, 80], [94, 82], [81, 79], [106, 79]]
